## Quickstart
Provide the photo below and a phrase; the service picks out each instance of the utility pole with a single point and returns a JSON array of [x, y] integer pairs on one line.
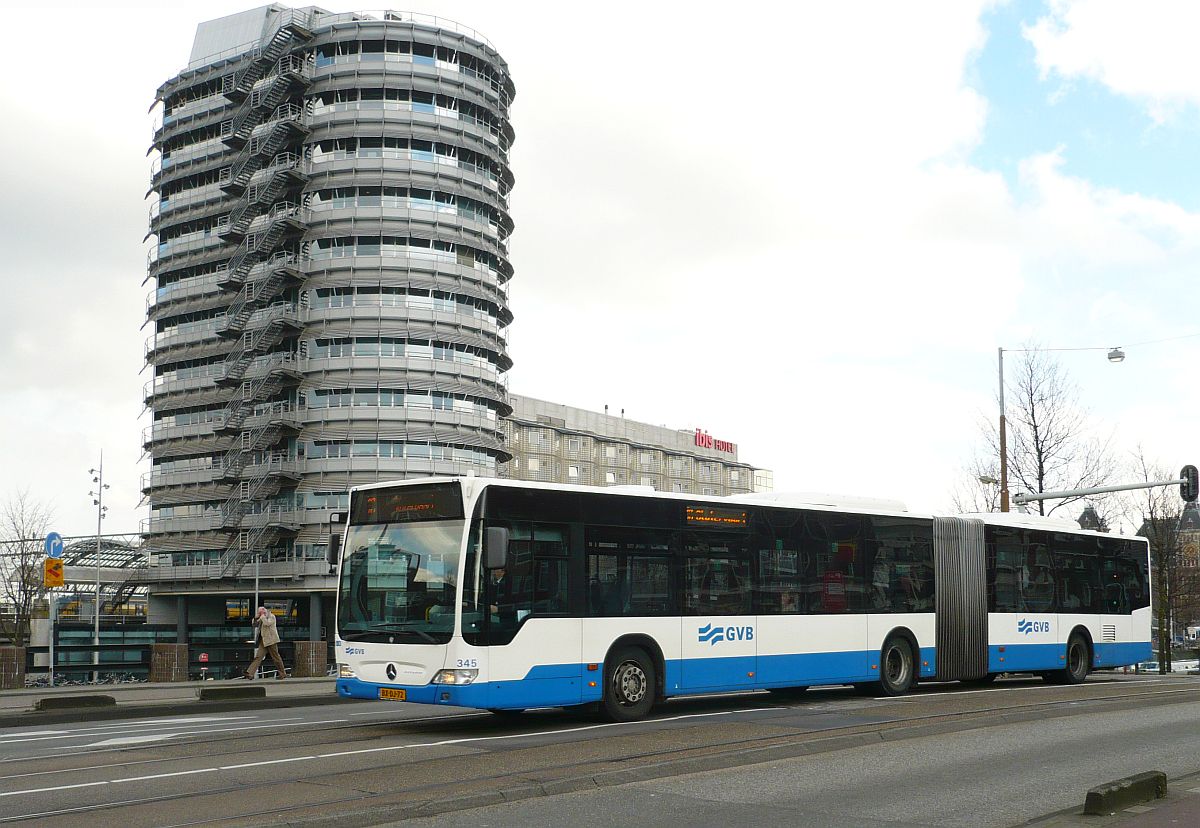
[[98, 502]]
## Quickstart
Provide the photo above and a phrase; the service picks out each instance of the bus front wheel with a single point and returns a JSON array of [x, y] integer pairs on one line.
[[1078, 663], [629, 685], [897, 670]]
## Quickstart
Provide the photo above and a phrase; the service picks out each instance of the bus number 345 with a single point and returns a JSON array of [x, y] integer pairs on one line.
[[467, 662]]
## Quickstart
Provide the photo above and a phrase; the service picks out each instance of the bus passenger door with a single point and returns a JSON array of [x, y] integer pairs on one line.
[[718, 642]]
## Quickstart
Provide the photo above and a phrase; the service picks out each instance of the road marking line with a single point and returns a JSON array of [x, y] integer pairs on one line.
[[133, 740], [364, 751], [100, 730], [59, 788], [165, 775], [266, 762], [128, 724]]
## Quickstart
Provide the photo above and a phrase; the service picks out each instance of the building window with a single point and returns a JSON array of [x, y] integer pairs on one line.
[[610, 452], [572, 444], [679, 487], [534, 464], [534, 437], [733, 475], [645, 458], [648, 481], [610, 478], [573, 472], [708, 491]]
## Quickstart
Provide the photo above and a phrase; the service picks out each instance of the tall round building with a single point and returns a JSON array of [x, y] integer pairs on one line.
[[330, 300]]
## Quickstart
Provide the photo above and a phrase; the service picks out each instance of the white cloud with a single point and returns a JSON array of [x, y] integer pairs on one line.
[[1145, 51]]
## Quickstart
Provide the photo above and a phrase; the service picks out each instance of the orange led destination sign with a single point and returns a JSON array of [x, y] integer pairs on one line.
[[408, 503], [710, 516]]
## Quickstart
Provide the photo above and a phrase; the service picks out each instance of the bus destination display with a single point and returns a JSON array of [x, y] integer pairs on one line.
[[409, 503], [714, 516]]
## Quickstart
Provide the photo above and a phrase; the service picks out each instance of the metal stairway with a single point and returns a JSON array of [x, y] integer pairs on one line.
[[285, 124], [247, 541], [283, 173]]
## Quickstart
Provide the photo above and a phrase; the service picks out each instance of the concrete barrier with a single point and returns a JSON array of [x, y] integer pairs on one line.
[[248, 691], [1121, 793], [69, 702]]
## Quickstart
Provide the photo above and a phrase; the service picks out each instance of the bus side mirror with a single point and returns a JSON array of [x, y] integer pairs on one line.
[[495, 547], [335, 550]]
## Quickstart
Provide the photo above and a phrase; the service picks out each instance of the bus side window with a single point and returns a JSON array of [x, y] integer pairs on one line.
[[717, 586], [1037, 579], [549, 569]]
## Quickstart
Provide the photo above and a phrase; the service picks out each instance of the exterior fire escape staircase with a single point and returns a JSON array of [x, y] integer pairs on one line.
[[266, 129]]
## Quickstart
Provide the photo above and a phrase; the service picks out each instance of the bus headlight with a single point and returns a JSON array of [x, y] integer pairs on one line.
[[455, 676], [346, 671]]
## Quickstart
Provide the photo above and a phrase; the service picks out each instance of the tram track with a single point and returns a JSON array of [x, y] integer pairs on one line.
[[622, 766]]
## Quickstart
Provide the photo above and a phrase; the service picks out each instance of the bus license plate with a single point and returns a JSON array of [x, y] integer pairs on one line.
[[392, 695]]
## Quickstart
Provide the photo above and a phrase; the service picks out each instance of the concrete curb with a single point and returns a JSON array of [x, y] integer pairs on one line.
[[1121, 793], [71, 702], [226, 693]]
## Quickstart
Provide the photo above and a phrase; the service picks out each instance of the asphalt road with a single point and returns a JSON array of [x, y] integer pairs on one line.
[[943, 756]]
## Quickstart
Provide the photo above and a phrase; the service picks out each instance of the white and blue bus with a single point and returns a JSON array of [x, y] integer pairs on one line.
[[505, 595]]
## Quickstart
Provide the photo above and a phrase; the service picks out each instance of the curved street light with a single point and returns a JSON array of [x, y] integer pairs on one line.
[[1114, 355]]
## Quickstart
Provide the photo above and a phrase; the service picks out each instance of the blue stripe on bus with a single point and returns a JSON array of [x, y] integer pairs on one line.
[[554, 685], [1120, 655], [1016, 658]]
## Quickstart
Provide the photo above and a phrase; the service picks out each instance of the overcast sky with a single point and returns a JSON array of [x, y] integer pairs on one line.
[[804, 227]]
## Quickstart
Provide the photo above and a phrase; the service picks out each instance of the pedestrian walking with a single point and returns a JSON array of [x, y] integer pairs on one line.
[[267, 644]]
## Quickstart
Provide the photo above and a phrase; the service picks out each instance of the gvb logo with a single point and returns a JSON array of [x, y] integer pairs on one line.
[[1025, 626], [713, 634]]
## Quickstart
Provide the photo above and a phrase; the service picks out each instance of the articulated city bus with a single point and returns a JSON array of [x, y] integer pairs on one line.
[[507, 595]]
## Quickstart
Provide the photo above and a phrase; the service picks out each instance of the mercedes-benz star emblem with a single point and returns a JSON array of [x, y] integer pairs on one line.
[[391, 672]]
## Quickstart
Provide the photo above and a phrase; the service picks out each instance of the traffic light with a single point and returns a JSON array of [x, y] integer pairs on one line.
[[1190, 487]]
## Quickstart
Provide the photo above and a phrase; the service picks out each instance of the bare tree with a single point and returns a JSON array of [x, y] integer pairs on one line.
[[979, 488], [23, 526], [1159, 510], [1051, 444]]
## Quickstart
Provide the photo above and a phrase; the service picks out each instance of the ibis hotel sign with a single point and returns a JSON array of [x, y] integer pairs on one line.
[[706, 440]]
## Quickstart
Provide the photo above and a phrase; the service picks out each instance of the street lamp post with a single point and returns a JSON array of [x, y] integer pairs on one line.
[[1003, 442], [98, 502], [1114, 355]]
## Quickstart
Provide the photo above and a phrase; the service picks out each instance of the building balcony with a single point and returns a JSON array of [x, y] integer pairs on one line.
[[163, 573], [158, 387], [182, 477], [161, 433], [189, 523]]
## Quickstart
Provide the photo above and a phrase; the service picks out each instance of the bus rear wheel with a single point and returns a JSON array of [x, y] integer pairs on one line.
[[629, 685], [897, 670]]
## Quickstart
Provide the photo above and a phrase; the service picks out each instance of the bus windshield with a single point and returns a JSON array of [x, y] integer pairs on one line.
[[398, 582]]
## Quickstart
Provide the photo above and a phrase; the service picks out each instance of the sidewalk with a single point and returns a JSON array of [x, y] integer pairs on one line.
[[140, 700]]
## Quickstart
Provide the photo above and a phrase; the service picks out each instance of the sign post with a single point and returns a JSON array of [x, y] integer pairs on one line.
[[52, 576]]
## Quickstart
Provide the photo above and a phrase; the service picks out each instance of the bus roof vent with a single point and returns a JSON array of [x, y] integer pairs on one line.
[[834, 501]]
